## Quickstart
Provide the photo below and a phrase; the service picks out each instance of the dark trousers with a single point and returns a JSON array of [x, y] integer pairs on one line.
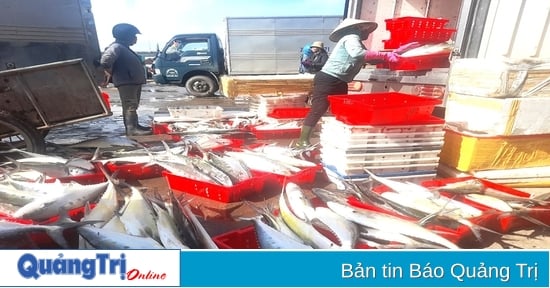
[[130, 96], [323, 85]]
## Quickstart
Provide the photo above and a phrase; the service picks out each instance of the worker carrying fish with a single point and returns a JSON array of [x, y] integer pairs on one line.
[[344, 63]]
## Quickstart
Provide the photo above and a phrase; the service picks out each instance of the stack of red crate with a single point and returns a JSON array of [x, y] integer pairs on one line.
[[423, 30]]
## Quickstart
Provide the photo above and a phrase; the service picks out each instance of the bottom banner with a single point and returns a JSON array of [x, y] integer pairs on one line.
[[364, 268]]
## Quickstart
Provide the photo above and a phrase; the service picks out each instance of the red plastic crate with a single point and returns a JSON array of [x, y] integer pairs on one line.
[[415, 22], [244, 238], [508, 222], [84, 179], [304, 177], [163, 128], [215, 192], [382, 108], [266, 134], [134, 171], [417, 63], [289, 112], [424, 36]]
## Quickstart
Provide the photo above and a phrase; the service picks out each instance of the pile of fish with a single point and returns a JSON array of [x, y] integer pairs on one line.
[[403, 215], [114, 214], [39, 196]]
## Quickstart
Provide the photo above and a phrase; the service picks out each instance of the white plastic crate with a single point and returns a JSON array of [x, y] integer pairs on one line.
[[263, 105], [326, 139], [415, 176], [332, 124], [349, 156], [347, 168], [196, 111]]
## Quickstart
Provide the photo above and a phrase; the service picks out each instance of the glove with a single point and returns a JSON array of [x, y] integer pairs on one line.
[[375, 57], [406, 47]]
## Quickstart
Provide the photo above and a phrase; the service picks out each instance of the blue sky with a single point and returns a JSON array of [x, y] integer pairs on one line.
[[158, 20]]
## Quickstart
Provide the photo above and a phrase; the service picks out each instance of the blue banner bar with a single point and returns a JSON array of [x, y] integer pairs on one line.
[[364, 268]]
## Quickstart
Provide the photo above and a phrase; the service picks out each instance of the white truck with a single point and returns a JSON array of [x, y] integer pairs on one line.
[[250, 46]]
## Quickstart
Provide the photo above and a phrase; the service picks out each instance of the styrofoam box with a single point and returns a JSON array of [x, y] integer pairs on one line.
[[196, 111], [499, 117], [499, 77]]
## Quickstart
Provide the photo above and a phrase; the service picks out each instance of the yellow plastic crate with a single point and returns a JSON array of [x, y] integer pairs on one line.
[[470, 153]]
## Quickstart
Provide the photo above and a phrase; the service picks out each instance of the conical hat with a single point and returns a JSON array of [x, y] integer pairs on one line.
[[366, 27]]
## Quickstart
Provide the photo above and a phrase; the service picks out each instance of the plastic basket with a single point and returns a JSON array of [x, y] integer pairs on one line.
[[215, 192], [266, 134], [507, 222], [415, 22], [243, 238], [417, 63], [424, 36], [382, 108], [289, 112], [134, 171]]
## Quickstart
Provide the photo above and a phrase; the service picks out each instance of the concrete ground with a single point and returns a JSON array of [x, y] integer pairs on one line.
[[108, 133]]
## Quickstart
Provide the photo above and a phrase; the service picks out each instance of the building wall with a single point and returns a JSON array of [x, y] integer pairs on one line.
[[516, 29]]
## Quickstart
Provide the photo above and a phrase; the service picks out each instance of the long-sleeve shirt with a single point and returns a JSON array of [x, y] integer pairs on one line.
[[347, 58], [125, 65]]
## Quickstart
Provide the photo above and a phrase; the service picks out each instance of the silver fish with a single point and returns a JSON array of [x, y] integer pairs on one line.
[[294, 211], [167, 231], [74, 196], [380, 220], [102, 238], [270, 238], [12, 230]]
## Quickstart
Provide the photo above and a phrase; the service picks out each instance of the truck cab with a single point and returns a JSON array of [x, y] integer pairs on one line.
[[196, 61]]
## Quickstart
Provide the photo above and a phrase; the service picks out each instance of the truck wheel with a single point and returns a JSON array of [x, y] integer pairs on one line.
[[201, 86], [15, 133]]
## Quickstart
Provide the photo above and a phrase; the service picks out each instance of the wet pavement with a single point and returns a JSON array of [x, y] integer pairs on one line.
[[109, 131]]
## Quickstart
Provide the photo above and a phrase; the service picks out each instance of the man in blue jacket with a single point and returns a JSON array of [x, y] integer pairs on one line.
[[128, 75]]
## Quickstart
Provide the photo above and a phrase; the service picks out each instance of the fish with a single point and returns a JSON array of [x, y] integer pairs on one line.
[[138, 215], [344, 230], [216, 174], [260, 163], [401, 187], [235, 168], [73, 196], [296, 212], [101, 238], [381, 221], [383, 239], [12, 230], [198, 229], [447, 207], [107, 205], [20, 197], [55, 167], [283, 157], [275, 221], [167, 231], [470, 186], [271, 238]]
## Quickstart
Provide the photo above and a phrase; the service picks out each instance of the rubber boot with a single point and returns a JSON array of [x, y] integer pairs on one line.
[[143, 128], [305, 134], [131, 124]]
